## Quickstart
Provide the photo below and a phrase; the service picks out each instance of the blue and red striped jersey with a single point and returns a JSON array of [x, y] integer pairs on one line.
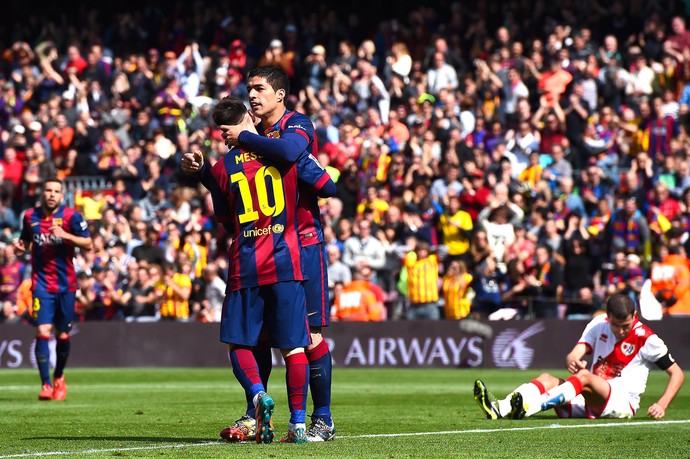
[[311, 174], [661, 131], [52, 260], [256, 200]]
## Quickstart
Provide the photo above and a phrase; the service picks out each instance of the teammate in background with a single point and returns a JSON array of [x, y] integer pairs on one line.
[[287, 135], [53, 231], [623, 351], [264, 285]]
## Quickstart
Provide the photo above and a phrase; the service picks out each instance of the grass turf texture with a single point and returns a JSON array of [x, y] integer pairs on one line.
[[386, 413]]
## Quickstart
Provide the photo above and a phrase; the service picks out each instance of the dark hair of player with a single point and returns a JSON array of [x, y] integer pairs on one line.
[[230, 110], [620, 306], [275, 76]]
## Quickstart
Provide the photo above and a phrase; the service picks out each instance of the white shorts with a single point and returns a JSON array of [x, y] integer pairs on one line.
[[617, 406]]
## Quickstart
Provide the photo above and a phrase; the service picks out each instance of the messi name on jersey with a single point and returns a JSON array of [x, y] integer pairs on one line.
[[246, 156]]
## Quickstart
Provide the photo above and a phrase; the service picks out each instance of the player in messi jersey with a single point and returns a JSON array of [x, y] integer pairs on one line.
[[53, 231], [623, 352], [265, 251], [287, 135]]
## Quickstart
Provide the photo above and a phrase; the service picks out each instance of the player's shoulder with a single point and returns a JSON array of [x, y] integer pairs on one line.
[[29, 213], [68, 211], [597, 322], [296, 120], [642, 330]]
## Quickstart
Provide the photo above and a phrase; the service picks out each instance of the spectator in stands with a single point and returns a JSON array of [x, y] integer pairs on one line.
[[628, 229], [671, 282], [359, 301], [457, 293], [363, 249], [338, 272], [172, 293], [486, 283], [441, 75], [214, 292], [544, 283], [456, 227], [153, 203], [475, 195], [149, 250], [422, 282]]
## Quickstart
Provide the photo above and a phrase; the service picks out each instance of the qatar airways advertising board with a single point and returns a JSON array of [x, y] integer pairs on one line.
[[520, 344]]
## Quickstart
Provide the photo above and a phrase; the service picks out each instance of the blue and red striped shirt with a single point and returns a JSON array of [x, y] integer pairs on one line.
[[52, 260], [256, 200], [312, 176], [661, 131]]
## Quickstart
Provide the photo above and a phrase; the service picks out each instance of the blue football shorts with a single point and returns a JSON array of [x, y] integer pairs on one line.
[[315, 270], [54, 308], [280, 308]]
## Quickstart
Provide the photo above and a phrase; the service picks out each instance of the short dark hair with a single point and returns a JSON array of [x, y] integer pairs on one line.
[[674, 249], [275, 76], [53, 180], [620, 306], [230, 110]]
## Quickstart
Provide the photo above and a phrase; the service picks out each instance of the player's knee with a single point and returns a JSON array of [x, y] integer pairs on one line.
[[544, 378], [585, 376], [44, 330], [288, 352], [316, 337]]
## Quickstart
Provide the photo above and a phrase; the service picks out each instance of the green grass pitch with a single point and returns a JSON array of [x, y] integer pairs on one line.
[[379, 413]]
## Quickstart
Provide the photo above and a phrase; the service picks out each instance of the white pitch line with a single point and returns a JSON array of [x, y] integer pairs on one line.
[[112, 450], [345, 437], [516, 429]]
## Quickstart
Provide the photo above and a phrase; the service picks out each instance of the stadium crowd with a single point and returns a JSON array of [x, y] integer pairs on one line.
[[527, 161]]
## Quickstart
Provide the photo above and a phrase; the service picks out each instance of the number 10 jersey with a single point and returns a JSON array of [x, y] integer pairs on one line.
[[256, 200]]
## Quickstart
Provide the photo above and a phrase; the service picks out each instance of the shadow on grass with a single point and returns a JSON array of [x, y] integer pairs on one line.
[[143, 439]]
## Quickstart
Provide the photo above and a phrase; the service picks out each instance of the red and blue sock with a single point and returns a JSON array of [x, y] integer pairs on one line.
[[297, 382], [245, 370], [264, 360], [320, 375]]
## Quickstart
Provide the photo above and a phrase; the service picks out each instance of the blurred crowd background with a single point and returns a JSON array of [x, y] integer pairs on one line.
[[492, 159]]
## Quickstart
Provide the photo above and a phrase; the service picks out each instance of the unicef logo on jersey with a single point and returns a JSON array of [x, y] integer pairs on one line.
[[258, 232], [510, 349]]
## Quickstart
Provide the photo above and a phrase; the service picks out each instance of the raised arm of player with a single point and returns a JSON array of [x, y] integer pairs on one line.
[[658, 409]]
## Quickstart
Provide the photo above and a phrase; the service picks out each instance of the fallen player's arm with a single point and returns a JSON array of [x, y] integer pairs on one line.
[[676, 378], [574, 360]]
